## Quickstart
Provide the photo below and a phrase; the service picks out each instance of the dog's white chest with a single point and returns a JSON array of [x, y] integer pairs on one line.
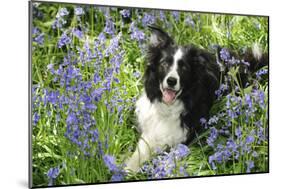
[[160, 124]]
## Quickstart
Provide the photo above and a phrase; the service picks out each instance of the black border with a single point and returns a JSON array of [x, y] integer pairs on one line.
[[30, 27]]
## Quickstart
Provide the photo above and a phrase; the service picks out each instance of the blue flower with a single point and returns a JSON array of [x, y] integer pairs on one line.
[[189, 21], [125, 13], [219, 93], [94, 135], [238, 132], [250, 139], [203, 122], [181, 151], [53, 173], [97, 78], [113, 46], [176, 15], [78, 33], [136, 74], [62, 12], [148, 19], [224, 54], [109, 161], [248, 101], [162, 15], [212, 137], [64, 40], [136, 34], [213, 120], [39, 39], [250, 166], [36, 118], [261, 72], [109, 27], [118, 176], [78, 11], [71, 119]]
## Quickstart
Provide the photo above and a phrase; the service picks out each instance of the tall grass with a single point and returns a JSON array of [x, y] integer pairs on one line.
[[87, 66]]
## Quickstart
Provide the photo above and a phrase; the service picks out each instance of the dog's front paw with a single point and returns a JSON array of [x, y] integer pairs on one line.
[[132, 166]]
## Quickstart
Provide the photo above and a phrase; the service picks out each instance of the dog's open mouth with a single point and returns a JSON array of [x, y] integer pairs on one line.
[[169, 95]]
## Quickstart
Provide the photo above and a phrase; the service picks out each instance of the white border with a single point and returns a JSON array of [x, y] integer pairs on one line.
[[14, 92]]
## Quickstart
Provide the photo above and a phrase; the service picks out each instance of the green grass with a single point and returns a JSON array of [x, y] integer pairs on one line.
[[50, 147]]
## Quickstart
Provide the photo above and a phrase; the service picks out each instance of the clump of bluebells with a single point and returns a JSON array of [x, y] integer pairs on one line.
[[167, 164], [239, 131], [82, 86], [87, 64]]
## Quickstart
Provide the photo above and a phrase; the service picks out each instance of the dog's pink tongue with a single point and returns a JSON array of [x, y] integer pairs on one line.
[[168, 96]]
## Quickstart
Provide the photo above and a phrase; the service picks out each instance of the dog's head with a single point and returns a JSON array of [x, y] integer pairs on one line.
[[168, 67], [174, 70]]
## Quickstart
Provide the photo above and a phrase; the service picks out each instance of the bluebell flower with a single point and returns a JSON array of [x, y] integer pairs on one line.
[[250, 139], [39, 39], [109, 161], [35, 31], [94, 135], [213, 120], [219, 93], [78, 33], [224, 54], [97, 94], [125, 13], [250, 166], [60, 21], [97, 78], [64, 40], [148, 19], [203, 122], [109, 26], [189, 21], [176, 15], [113, 46], [62, 12], [248, 101], [117, 176], [259, 97], [136, 34], [181, 151], [53, 97], [101, 38], [71, 118], [212, 137], [183, 171], [162, 15], [36, 118], [136, 74], [52, 174], [78, 11], [238, 132]]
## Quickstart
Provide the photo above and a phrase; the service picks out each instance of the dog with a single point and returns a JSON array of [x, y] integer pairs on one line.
[[179, 89]]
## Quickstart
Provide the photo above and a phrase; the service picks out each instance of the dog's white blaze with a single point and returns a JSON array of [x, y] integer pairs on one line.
[[173, 71], [160, 125]]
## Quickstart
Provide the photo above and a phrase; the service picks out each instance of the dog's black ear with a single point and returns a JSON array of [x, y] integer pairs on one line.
[[159, 38]]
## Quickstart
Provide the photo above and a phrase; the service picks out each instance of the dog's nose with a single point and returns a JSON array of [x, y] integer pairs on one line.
[[171, 81]]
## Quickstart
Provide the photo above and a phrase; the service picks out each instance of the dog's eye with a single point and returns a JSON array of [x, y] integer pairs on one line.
[[184, 67], [164, 64]]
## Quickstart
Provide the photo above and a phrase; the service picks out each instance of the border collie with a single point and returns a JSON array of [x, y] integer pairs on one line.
[[179, 89]]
